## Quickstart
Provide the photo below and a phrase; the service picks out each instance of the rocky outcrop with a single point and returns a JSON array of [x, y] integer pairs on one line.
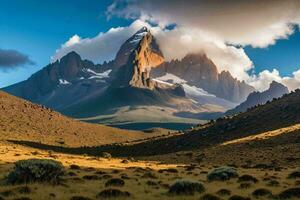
[[198, 70], [275, 90], [142, 54]]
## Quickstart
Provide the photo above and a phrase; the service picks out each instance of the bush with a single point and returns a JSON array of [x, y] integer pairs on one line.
[[247, 178], [294, 175], [186, 187], [115, 182], [261, 193], [170, 170], [105, 155], [75, 167], [35, 170], [113, 193], [245, 185], [210, 197], [222, 174], [224, 192], [290, 193]]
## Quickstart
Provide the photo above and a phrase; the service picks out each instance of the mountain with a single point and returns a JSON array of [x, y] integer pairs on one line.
[[199, 71], [275, 90], [133, 82], [22, 120], [132, 85], [63, 83]]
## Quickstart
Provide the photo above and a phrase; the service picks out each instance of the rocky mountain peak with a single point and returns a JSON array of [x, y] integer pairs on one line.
[[70, 65], [275, 90], [275, 86], [129, 46], [135, 59]]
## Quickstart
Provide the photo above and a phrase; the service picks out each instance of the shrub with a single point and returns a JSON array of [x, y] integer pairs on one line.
[[290, 193], [149, 175], [247, 178], [224, 192], [113, 193], [75, 167], [35, 170], [261, 193], [186, 187], [273, 183], [170, 170], [105, 155], [151, 183], [91, 177], [294, 175], [245, 185], [115, 182], [222, 174], [209, 197]]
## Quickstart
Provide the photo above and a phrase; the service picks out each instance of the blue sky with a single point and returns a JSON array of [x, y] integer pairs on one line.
[[38, 28]]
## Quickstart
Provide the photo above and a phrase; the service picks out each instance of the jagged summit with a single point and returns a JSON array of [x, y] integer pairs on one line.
[[136, 57], [130, 45], [277, 86], [275, 90]]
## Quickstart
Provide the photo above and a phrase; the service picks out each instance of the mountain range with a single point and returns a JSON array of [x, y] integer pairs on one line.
[[275, 90], [138, 86]]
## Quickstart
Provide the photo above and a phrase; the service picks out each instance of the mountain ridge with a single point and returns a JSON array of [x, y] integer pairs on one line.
[[129, 80], [275, 90]]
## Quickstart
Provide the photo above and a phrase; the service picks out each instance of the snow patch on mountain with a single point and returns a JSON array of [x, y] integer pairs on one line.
[[190, 90], [95, 75], [64, 82]]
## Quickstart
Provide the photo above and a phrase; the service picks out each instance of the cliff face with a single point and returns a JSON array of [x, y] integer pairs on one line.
[[147, 56], [275, 90], [144, 56], [198, 70]]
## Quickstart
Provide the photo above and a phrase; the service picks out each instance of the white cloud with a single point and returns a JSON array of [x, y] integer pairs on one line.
[[262, 81], [258, 22], [175, 44], [178, 42], [101, 48]]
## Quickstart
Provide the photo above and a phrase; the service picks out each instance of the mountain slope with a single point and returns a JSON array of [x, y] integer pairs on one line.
[[63, 83], [275, 90], [198, 70], [21, 120], [279, 113]]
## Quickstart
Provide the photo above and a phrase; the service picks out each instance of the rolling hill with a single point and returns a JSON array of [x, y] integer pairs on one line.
[[22, 120], [279, 114]]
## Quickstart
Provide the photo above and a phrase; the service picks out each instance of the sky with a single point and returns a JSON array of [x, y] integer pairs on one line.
[[257, 42]]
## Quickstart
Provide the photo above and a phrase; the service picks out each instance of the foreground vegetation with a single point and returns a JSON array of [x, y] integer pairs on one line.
[[101, 177]]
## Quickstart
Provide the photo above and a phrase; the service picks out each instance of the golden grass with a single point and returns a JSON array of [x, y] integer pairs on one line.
[[136, 185], [265, 135], [22, 120]]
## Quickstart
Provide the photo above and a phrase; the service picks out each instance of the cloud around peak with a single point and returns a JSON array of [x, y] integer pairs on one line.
[[258, 23], [218, 29]]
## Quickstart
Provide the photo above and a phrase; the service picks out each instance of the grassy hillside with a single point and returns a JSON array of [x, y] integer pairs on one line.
[[279, 113], [21, 120]]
